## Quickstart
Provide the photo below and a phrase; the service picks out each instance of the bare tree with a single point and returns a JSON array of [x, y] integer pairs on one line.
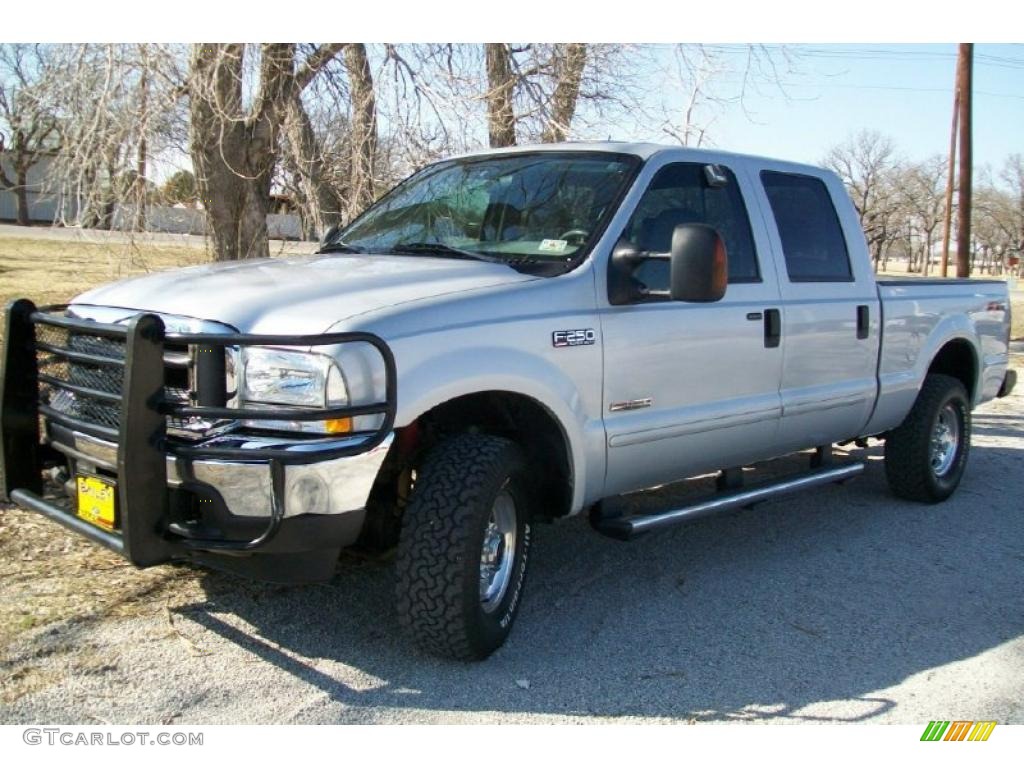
[[922, 196], [535, 91], [501, 82], [698, 82], [867, 164], [118, 107], [363, 127], [568, 63], [312, 170], [28, 124], [998, 216], [234, 144]]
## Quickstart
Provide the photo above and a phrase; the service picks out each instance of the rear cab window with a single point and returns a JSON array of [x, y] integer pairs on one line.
[[812, 238]]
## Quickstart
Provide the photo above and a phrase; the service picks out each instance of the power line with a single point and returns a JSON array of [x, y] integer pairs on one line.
[[872, 54]]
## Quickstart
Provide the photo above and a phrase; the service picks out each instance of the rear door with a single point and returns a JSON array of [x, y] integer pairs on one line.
[[691, 387], [830, 308]]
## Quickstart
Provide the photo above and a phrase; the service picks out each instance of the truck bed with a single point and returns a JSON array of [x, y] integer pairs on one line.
[[919, 316]]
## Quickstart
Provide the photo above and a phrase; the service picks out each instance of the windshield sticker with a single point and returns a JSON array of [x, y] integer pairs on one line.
[[552, 246]]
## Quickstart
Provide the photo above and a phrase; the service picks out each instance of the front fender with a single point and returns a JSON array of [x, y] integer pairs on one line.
[[426, 382]]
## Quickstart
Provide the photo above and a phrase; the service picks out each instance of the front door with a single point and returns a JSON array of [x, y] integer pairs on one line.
[[691, 387]]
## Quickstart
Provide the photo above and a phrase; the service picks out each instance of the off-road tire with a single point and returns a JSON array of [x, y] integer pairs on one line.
[[439, 550], [908, 452]]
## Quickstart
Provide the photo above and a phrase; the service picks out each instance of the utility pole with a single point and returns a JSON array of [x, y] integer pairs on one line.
[[963, 233], [950, 181]]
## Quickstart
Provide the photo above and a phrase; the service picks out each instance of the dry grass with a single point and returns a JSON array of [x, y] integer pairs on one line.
[[52, 271], [50, 577]]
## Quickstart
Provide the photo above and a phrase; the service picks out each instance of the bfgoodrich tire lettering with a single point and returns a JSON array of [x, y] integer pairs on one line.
[[916, 466], [442, 542]]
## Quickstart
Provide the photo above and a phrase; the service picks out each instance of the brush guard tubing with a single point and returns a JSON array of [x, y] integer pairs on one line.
[[146, 537]]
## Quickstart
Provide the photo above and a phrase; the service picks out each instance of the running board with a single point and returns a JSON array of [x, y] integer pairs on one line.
[[627, 527]]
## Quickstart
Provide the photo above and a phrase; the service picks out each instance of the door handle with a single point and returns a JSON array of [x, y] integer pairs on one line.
[[772, 328], [863, 321]]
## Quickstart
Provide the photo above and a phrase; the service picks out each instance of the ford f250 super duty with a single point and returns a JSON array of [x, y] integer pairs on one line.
[[502, 339]]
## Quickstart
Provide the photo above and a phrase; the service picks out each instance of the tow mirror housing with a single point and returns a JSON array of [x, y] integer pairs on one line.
[[699, 264]]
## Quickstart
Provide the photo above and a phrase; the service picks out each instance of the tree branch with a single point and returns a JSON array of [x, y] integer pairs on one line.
[[317, 60]]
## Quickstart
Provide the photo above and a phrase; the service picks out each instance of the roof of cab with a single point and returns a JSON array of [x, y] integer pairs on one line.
[[643, 150]]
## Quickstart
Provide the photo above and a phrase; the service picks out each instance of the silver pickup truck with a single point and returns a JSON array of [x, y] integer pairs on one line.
[[503, 339]]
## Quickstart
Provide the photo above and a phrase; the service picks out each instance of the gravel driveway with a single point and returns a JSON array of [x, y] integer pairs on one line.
[[839, 605]]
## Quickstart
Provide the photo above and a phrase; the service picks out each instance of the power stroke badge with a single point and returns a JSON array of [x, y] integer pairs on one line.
[[574, 338]]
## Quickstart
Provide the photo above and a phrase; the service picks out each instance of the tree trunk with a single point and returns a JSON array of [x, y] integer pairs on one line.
[[235, 150], [364, 128], [569, 66], [501, 117], [322, 205], [233, 154], [110, 194], [140, 159], [21, 197]]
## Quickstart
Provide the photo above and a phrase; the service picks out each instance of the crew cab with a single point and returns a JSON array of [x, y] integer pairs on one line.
[[503, 339]]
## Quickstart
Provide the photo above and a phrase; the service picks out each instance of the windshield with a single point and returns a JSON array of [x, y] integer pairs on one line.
[[545, 208]]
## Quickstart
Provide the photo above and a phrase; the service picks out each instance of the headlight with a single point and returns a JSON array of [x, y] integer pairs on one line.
[[281, 377]]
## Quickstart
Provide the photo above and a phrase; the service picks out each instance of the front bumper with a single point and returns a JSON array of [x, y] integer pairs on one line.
[[261, 505]]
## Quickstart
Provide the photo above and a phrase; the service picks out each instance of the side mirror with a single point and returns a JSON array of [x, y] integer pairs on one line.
[[699, 265]]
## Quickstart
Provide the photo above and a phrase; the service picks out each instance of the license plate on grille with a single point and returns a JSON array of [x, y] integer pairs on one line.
[[97, 501]]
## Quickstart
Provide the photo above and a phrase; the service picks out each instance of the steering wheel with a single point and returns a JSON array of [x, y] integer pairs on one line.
[[580, 235]]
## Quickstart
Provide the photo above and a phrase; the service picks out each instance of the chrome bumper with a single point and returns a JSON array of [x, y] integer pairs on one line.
[[331, 487]]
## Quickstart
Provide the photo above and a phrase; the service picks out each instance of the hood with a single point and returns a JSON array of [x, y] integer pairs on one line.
[[297, 295]]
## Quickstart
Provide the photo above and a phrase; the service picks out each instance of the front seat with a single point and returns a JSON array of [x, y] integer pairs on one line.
[[655, 236], [656, 232]]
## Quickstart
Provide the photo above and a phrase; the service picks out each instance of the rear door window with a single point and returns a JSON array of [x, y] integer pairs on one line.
[[812, 238]]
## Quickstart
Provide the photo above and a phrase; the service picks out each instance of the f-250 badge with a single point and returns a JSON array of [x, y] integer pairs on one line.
[[575, 338]]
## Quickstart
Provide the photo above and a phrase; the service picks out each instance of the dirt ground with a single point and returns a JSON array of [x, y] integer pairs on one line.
[[46, 573]]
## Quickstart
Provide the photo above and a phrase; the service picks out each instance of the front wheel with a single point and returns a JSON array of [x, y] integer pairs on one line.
[[926, 455], [464, 546]]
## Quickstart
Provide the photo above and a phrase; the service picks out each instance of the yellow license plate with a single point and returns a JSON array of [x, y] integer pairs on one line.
[[97, 502]]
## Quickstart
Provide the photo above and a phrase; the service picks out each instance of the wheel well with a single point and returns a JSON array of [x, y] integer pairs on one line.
[[506, 414], [519, 418], [956, 359]]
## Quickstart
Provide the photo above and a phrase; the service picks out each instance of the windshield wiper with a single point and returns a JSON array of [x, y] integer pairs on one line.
[[338, 247], [440, 249]]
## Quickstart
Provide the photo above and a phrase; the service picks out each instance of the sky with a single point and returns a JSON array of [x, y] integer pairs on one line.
[[904, 91]]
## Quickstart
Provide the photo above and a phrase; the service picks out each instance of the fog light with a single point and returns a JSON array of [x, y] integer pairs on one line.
[[308, 495], [338, 426]]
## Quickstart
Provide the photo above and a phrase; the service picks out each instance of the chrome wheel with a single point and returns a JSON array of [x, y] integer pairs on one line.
[[945, 440], [498, 552]]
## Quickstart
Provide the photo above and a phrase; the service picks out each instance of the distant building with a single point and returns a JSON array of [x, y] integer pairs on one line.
[[47, 207], [43, 203]]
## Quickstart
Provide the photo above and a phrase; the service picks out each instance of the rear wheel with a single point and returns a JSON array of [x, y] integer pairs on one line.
[[464, 547], [926, 455]]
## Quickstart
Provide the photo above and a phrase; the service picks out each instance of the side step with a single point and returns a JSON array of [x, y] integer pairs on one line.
[[627, 527]]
